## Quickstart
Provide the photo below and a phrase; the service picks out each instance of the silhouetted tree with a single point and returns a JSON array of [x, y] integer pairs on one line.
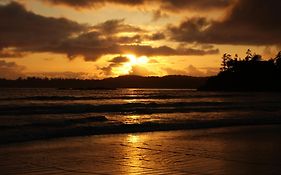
[[256, 57], [248, 55], [251, 73], [277, 60], [236, 57], [225, 59]]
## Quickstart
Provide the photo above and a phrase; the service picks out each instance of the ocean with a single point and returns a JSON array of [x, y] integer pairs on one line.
[[32, 114]]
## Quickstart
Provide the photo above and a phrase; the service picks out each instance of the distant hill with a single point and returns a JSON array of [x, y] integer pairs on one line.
[[129, 81]]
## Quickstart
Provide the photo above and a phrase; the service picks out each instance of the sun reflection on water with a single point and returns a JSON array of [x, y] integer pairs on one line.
[[133, 139], [135, 155]]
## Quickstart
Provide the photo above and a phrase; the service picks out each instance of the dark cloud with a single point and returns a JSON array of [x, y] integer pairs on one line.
[[251, 22], [157, 36], [75, 3], [27, 31], [120, 59], [94, 52], [93, 45], [94, 3], [107, 70], [118, 62], [114, 62], [10, 70], [111, 30], [116, 26], [158, 14], [136, 39], [163, 50], [195, 4], [10, 53], [207, 46], [164, 4]]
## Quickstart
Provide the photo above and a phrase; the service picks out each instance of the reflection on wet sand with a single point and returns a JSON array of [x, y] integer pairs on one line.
[[240, 150], [134, 157]]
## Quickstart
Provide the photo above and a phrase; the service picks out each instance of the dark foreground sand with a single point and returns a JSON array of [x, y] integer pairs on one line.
[[239, 150]]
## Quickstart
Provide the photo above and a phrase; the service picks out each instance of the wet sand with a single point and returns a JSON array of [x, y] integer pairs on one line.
[[236, 150]]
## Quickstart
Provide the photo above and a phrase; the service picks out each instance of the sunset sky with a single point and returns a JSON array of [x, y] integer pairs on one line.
[[108, 38]]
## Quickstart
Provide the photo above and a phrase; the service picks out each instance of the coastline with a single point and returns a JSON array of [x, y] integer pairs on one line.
[[18, 135], [230, 150]]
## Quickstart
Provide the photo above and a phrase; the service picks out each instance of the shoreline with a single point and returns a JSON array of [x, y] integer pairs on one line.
[[231, 150], [131, 129]]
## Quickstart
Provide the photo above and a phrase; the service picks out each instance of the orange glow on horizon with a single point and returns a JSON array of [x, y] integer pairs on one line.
[[137, 60], [133, 60]]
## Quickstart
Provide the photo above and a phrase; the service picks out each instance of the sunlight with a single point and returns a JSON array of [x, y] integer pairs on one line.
[[133, 139], [132, 58], [137, 60], [135, 157], [142, 60], [133, 61]]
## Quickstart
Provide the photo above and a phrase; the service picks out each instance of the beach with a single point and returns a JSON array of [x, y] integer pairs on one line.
[[139, 131], [229, 150], [132, 87]]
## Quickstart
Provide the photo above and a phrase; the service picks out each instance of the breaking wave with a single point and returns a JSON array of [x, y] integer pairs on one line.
[[31, 114]]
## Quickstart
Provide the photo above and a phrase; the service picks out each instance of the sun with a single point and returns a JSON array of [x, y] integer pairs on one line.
[[127, 67], [133, 60]]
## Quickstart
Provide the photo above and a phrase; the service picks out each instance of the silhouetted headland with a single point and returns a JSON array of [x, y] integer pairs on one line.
[[128, 81], [249, 74]]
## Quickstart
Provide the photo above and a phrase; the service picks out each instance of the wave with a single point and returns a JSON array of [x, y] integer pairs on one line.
[[123, 97], [133, 108], [58, 122], [68, 129], [32, 115]]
